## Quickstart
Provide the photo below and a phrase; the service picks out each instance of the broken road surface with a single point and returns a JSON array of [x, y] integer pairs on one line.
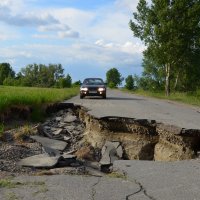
[[157, 180], [122, 104]]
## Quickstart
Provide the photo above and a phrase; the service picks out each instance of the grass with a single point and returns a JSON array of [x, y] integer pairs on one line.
[[30, 96], [6, 183], [116, 175], [192, 98]]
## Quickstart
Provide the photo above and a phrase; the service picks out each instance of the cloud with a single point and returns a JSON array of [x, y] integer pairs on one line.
[[66, 34], [27, 19], [55, 27], [127, 47], [61, 30]]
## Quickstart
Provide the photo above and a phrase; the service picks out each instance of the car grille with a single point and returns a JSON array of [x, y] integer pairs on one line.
[[93, 88]]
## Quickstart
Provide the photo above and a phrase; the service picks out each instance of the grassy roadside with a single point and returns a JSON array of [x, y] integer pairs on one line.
[[33, 96], [188, 98]]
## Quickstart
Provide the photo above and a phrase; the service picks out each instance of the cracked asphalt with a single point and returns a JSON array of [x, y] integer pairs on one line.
[[143, 180], [71, 188]]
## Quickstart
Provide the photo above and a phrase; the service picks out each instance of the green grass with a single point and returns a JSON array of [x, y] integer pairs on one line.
[[6, 183], [30, 96], [192, 98]]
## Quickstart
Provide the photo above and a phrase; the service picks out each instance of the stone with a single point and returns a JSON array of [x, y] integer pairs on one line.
[[67, 160], [69, 128], [51, 152], [54, 144], [68, 156], [70, 118], [42, 131], [107, 150], [61, 125], [119, 151], [58, 119], [66, 138], [58, 131], [58, 137], [40, 161], [111, 151]]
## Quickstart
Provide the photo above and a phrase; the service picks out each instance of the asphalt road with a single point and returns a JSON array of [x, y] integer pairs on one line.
[[145, 180], [130, 105]]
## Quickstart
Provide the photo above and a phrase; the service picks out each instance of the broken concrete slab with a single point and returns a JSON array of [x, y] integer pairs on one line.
[[111, 151], [51, 152], [53, 144], [119, 151], [108, 150], [40, 161]]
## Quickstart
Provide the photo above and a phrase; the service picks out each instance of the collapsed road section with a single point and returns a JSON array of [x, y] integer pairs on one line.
[[72, 141]]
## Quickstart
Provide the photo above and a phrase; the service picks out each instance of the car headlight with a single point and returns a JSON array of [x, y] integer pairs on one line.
[[84, 89], [101, 89]]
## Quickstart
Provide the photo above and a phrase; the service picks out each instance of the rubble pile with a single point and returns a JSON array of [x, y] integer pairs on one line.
[[58, 147]]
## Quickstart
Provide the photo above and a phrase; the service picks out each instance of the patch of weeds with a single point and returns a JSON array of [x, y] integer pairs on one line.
[[116, 175], [23, 132], [11, 196], [6, 183]]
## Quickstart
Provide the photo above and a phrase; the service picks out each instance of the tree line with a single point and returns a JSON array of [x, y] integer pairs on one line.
[[170, 30], [36, 75]]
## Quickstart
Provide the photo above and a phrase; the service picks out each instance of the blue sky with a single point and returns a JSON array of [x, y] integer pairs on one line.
[[87, 37]]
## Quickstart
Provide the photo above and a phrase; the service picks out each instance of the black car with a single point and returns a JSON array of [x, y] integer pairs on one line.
[[93, 87]]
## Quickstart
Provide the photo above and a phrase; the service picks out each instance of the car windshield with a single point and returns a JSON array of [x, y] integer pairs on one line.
[[93, 81]]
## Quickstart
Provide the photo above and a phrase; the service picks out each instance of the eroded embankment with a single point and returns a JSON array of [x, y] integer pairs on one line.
[[142, 139]]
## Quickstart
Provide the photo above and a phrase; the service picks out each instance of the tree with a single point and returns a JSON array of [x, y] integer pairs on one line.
[[41, 75], [5, 72], [76, 83], [113, 78], [129, 82], [65, 82], [68, 81], [170, 30]]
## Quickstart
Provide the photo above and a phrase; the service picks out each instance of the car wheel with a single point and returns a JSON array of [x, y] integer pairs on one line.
[[81, 96], [104, 96]]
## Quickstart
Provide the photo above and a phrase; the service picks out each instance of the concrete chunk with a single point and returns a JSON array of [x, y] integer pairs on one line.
[[111, 151], [70, 118], [40, 161], [53, 144], [58, 131]]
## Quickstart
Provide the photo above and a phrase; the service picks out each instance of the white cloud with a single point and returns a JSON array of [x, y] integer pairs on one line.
[[57, 27]]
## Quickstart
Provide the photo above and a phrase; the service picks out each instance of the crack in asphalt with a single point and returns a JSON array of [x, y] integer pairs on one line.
[[93, 188], [142, 189]]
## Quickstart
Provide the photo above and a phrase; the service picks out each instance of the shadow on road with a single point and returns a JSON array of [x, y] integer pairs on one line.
[[115, 98], [126, 98]]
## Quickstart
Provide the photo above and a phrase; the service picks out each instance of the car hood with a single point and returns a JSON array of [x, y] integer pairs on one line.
[[93, 86]]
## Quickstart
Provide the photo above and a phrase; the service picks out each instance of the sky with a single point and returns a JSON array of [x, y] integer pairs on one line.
[[88, 37]]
